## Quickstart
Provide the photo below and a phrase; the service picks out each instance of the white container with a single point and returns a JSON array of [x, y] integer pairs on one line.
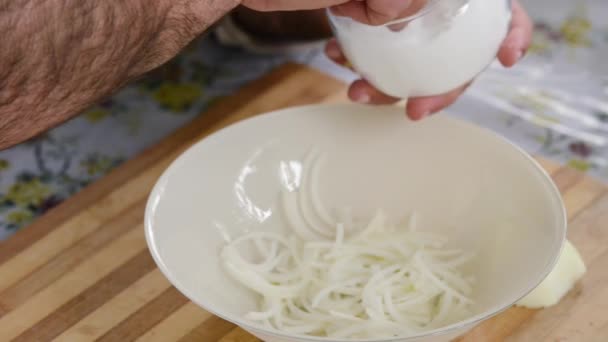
[[465, 182], [442, 47]]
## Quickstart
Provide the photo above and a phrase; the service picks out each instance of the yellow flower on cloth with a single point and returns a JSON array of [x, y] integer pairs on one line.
[[25, 193], [98, 164], [576, 29], [580, 165], [19, 217], [96, 114], [177, 97]]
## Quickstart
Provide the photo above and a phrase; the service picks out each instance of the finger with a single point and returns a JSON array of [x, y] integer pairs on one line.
[[289, 5], [334, 52], [519, 38], [378, 12], [420, 107], [363, 92]]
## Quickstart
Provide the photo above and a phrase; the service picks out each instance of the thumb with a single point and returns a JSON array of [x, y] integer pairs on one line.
[[378, 12]]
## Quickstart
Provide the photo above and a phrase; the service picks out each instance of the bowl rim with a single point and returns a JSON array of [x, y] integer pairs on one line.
[[158, 188]]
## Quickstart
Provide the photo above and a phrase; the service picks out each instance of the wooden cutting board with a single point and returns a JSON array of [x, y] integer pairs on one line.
[[82, 272]]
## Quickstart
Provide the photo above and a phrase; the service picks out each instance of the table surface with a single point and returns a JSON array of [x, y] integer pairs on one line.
[[82, 272]]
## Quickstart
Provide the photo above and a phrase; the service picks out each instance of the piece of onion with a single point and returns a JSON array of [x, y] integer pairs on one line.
[[377, 280]]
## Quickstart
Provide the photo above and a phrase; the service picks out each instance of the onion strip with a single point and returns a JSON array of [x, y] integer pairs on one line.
[[347, 280]]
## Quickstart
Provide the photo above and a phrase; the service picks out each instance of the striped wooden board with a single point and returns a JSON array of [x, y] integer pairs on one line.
[[82, 272]]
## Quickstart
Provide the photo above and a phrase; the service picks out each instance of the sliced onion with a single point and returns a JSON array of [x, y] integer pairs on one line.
[[347, 280]]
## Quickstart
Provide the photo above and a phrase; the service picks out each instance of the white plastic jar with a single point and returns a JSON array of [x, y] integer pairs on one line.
[[443, 46]]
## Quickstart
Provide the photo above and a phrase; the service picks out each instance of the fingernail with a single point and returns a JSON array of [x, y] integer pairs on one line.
[[336, 10], [332, 52], [362, 98], [415, 117], [424, 114], [397, 27], [518, 55]]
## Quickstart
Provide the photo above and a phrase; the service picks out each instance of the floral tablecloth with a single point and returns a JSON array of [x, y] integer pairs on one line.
[[555, 103]]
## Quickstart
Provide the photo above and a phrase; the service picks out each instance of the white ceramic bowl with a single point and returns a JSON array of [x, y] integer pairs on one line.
[[462, 180]]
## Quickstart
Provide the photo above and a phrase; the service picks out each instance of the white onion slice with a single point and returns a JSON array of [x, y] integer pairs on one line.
[[347, 280]]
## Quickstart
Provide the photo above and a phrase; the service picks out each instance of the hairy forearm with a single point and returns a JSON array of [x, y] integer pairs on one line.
[[59, 56]]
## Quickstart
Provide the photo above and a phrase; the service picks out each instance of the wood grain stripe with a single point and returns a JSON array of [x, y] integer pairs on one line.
[[292, 92], [308, 90], [550, 166], [589, 230], [58, 216], [76, 228], [582, 196], [69, 258], [337, 97], [239, 335], [498, 327], [72, 283], [102, 188], [600, 334], [146, 317], [116, 309], [92, 298], [177, 325], [566, 177], [212, 329]]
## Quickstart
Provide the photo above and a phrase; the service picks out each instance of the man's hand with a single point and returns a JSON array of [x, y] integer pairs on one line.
[[512, 50], [378, 12], [60, 56]]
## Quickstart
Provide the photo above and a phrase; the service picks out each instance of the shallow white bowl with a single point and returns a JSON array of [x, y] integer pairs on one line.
[[462, 180]]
